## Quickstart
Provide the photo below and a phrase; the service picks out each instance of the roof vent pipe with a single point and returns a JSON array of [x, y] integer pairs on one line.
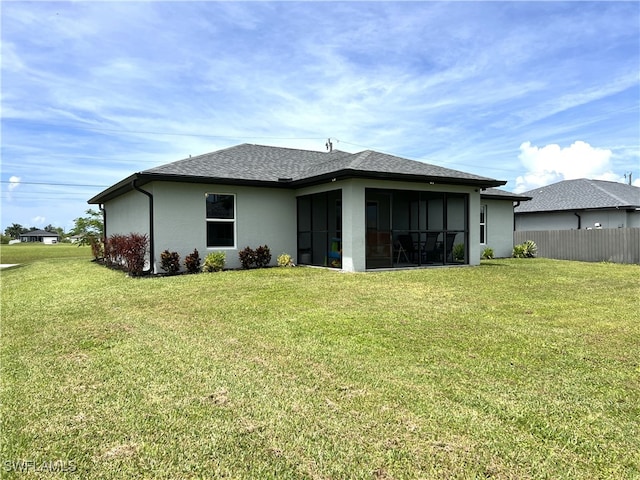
[[329, 145]]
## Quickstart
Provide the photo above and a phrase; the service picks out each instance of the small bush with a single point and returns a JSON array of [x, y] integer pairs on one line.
[[247, 257], [192, 262], [135, 250], [285, 260], [258, 258], [530, 248], [170, 262], [97, 247], [487, 253], [458, 252], [126, 252], [113, 248], [214, 262], [527, 249], [263, 256]]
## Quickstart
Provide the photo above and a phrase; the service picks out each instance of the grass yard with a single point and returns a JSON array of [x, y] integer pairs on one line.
[[30, 252], [515, 369]]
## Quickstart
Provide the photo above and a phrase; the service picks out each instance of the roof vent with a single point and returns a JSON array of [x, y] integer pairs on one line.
[[329, 145]]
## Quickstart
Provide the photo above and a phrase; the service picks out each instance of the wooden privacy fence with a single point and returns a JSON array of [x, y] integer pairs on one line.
[[618, 245]]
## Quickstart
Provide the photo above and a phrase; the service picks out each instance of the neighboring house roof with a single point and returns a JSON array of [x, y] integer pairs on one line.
[[39, 233], [581, 194], [249, 164], [498, 194]]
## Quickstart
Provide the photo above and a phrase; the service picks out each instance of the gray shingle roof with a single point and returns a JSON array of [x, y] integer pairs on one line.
[[503, 195], [581, 194], [39, 233], [265, 165]]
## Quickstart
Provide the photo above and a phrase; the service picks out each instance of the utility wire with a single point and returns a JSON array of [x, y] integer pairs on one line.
[[53, 184]]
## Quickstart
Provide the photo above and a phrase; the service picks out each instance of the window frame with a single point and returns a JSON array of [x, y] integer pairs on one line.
[[483, 224], [232, 221]]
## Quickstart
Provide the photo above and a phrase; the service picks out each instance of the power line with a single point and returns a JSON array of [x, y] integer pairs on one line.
[[53, 184]]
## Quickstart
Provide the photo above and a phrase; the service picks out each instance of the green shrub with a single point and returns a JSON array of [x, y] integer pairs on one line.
[[530, 249], [458, 252], [170, 262], [527, 249], [285, 260], [487, 253], [192, 262], [214, 262]]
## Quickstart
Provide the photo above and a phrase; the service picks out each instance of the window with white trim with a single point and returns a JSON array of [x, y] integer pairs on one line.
[[221, 220], [483, 224]]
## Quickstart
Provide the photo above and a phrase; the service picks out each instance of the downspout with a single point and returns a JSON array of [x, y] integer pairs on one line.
[[104, 221], [517, 204], [579, 220], [151, 237]]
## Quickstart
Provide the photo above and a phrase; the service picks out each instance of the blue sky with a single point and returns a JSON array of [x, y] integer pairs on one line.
[[526, 92]]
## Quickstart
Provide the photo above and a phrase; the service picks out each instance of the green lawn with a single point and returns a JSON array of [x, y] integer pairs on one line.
[[30, 252], [515, 369]]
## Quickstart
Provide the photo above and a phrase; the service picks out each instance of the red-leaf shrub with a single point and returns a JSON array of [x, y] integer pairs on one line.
[[192, 262], [135, 252], [262, 256], [247, 257], [170, 262], [97, 247], [126, 252], [259, 258], [113, 248]]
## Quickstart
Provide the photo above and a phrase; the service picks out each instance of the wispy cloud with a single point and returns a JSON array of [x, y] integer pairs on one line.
[[108, 89]]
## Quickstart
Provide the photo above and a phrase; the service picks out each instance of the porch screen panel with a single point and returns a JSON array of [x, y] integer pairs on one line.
[[319, 228], [456, 236]]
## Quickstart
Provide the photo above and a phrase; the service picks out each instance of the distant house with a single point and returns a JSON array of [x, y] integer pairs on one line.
[[497, 220], [580, 204], [357, 212], [48, 238]]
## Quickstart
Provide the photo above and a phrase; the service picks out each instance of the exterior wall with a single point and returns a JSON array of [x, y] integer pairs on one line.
[[40, 238], [499, 227], [264, 216], [607, 218], [128, 213], [267, 216]]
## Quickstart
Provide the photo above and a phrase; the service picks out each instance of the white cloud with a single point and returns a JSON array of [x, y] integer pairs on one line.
[[14, 182], [38, 220], [552, 163]]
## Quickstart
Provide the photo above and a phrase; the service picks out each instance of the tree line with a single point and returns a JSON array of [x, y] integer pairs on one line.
[[86, 227]]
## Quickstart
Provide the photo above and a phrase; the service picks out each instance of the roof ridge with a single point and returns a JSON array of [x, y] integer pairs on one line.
[[605, 191]]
